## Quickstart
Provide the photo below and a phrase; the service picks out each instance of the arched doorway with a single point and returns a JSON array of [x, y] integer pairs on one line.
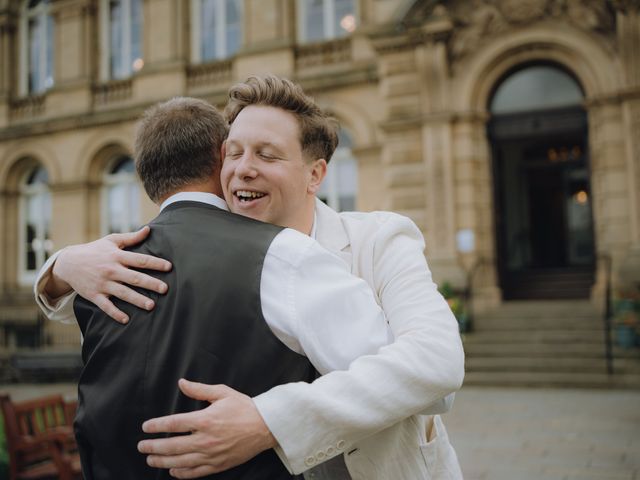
[[544, 229]]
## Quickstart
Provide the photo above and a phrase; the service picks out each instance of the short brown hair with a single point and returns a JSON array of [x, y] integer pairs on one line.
[[177, 143], [318, 130]]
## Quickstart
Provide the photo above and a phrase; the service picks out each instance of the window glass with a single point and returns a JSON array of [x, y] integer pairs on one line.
[[219, 24], [326, 19], [345, 20], [314, 20], [136, 34], [125, 37], [121, 197], [208, 29], [535, 88], [233, 27], [36, 221], [39, 48], [116, 39], [339, 189]]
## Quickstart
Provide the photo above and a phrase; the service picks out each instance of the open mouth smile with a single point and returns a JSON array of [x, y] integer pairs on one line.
[[246, 196]]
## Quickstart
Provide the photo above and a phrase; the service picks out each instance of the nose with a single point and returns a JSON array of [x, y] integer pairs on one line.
[[246, 166]]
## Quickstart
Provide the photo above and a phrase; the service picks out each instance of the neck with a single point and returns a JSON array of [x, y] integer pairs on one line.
[[209, 186], [304, 224]]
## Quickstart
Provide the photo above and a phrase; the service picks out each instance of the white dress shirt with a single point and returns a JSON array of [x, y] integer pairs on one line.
[[309, 299]]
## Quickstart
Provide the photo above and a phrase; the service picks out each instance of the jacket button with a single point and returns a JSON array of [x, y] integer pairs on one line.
[[331, 451], [341, 444], [320, 455], [310, 461]]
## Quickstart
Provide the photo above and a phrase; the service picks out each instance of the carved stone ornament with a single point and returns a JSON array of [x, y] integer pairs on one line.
[[520, 11], [626, 6], [477, 20]]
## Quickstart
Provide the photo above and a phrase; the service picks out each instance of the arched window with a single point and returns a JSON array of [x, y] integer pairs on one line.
[[339, 189], [121, 197], [216, 29], [121, 38], [538, 87], [36, 32], [326, 19], [35, 223]]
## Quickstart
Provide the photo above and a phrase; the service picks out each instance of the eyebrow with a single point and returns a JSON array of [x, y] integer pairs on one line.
[[232, 142]]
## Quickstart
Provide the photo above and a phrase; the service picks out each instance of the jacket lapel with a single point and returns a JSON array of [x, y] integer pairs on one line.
[[330, 232]]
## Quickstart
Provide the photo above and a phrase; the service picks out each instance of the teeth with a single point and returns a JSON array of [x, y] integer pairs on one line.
[[245, 194]]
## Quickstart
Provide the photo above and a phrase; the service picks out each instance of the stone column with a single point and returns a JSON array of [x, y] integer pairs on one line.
[[417, 148], [610, 188], [475, 207], [8, 58], [268, 38], [73, 59], [165, 52], [629, 42], [69, 226], [369, 174]]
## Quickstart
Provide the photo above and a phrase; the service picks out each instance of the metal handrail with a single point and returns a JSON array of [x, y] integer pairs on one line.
[[468, 291], [608, 313]]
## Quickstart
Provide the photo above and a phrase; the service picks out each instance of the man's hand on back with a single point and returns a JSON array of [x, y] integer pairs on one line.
[[227, 433], [101, 269]]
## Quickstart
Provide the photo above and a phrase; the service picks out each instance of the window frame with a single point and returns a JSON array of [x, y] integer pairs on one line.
[[27, 191], [106, 73], [109, 180], [43, 10], [222, 52], [329, 12]]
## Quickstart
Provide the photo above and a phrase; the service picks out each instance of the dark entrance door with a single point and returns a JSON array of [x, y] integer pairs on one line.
[[543, 203]]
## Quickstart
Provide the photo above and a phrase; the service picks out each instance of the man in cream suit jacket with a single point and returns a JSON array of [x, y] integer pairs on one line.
[[369, 416]]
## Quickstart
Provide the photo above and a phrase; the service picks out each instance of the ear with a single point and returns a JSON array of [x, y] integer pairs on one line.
[[223, 151], [318, 172]]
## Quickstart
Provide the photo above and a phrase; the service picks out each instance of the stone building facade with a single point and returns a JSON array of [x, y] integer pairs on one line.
[[448, 109]]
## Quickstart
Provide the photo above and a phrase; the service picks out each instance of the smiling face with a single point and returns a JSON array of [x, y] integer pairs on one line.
[[264, 173]]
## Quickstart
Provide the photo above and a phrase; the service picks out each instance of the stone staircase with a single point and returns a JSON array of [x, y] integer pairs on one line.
[[545, 343]]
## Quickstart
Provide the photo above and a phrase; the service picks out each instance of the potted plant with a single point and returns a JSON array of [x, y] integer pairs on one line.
[[626, 320], [456, 303]]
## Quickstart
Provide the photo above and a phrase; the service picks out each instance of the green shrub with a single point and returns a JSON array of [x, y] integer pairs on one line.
[[4, 455]]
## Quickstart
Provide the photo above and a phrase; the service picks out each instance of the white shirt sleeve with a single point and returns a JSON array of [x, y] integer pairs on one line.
[[58, 309], [316, 307]]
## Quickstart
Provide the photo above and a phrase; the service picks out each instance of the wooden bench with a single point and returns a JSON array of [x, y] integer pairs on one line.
[[40, 438]]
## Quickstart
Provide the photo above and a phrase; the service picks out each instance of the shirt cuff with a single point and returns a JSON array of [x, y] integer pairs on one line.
[[53, 308]]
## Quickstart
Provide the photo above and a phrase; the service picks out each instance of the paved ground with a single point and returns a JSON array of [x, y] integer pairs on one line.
[[535, 434], [524, 434]]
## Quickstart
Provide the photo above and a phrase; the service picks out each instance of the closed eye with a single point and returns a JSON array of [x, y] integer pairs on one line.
[[267, 156]]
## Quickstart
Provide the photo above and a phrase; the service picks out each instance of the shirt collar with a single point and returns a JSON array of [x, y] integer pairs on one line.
[[313, 228], [203, 197]]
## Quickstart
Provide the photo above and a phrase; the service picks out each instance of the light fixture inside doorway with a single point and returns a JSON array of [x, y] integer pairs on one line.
[[581, 197]]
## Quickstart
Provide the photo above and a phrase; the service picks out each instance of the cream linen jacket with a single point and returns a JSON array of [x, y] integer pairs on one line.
[[370, 413]]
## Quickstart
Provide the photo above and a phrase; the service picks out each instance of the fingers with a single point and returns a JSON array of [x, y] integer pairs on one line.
[[171, 446], [104, 304], [129, 295], [148, 262], [123, 240], [188, 460], [180, 422], [196, 472], [137, 279], [202, 391]]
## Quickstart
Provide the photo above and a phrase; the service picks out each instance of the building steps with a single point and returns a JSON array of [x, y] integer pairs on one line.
[[545, 344]]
